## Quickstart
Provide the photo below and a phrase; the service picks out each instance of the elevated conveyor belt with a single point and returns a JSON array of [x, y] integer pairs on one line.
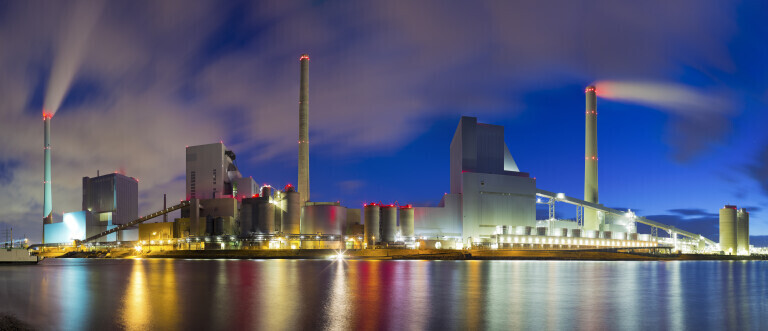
[[642, 220], [137, 221]]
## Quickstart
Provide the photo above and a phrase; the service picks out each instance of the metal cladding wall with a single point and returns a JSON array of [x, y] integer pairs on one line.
[[406, 222], [728, 229], [388, 223], [742, 231], [591, 220], [371, 224], [112, 193], [324, 219], [292, 219]]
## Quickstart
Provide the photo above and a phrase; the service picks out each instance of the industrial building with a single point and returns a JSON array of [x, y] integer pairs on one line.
[[491, 204], [212, 173], [108, 201]]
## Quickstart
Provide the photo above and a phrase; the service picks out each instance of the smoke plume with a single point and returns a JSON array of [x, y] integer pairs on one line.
[[674, 98], [69, 49]]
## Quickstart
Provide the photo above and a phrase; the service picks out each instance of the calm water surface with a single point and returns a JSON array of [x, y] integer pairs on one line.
[[74, 294]]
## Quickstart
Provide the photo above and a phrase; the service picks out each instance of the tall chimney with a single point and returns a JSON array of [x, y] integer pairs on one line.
[[47, 202], [303, 185], [591, 219]]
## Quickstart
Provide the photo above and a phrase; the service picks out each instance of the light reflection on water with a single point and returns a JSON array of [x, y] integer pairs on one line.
[[312, 294]]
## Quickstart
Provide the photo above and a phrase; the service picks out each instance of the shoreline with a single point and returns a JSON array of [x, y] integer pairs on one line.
[[406, 254]]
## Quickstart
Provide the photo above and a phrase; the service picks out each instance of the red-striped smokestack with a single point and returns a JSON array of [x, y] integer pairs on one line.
[[591, 219]]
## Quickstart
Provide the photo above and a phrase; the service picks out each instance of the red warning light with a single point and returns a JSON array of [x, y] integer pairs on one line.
[[304, 57]]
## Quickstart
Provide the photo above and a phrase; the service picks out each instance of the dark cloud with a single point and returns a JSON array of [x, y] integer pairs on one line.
[[177, 73], [758, 170], [697, 212]]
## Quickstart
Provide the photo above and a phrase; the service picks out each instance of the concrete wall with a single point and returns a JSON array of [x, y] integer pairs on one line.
[[246, 187], [444, 220], [209, 171], [490, 200]]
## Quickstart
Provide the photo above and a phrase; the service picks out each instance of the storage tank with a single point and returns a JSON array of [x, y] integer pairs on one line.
[[406, 222], [388, 223], [371, 224], [292, 217], [264, 223], [742, 231], [324, 218], [266, 191], [728, 229], [246, 216]]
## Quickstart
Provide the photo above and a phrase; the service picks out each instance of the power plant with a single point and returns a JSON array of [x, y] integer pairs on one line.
[[491, 204]]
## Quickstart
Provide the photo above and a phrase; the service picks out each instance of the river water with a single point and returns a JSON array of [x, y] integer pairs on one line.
[[77, 294]]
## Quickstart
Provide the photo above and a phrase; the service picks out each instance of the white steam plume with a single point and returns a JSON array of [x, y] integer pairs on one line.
[[69, 49], [675, 98]]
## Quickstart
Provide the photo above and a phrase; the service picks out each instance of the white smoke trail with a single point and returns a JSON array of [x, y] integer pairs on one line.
[[69, 49], [676, 98]]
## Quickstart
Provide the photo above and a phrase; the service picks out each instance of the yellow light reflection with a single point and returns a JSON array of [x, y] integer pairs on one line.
[[136, 311]]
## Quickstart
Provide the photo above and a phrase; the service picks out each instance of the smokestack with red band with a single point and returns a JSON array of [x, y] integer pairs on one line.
[[47, 203], [591, 220], [303, 183]]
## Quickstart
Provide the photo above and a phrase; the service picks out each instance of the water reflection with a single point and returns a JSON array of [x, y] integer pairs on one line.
[[135, 312], [400, 295]]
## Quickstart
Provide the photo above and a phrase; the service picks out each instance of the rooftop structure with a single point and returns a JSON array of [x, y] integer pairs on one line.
[[211, 171]]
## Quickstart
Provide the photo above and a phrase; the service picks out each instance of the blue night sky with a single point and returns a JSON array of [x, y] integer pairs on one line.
[[682, 89]]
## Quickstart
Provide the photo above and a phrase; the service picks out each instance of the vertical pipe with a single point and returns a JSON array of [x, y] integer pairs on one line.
[[165, 206], [591, 219], [303, 183]]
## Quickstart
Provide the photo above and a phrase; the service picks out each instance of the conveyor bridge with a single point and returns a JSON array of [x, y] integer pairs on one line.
[[136, 221], [653, 224]]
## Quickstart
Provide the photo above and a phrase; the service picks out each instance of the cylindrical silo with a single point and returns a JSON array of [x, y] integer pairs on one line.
[[388, 223], [246, 216], [406, 222], [324, 218], [291, 220], [266, 191], [728, 229], [265, 216], [742, 231], [371, 224]]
